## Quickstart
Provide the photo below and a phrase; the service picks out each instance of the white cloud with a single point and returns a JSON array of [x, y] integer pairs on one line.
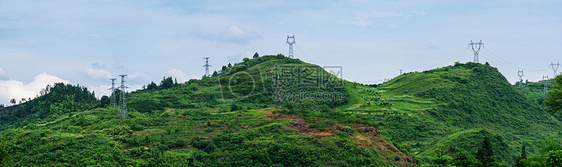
[[98, 74], [15, 89], [365, 18], [139, 77], [180, 75], [232, 34]]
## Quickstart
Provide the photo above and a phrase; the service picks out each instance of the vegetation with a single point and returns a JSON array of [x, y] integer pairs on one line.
[[5, 157], [56, 100], [554, 101], [272, 110]]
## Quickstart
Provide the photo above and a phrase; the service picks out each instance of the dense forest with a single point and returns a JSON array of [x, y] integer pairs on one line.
[[278, 111]]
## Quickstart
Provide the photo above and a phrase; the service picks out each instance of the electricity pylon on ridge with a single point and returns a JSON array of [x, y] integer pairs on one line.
[[206, 65], [475, 48], [545, 78], [520, 74], [291, 45], [554, 68], [122, 111], [112, 100]]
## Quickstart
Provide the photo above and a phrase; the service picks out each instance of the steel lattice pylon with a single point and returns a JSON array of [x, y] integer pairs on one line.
[[122, 111]]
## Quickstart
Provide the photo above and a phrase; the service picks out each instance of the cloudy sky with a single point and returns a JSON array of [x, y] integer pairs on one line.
[[88, 42]]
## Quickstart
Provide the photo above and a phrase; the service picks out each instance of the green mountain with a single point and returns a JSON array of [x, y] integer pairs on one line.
[[199, 123], [278, 111], [421, 108]]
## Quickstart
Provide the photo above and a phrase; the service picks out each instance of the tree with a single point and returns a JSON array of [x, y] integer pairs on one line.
[[229, 65], [166, 83], [151, 86], [13, 101], [485, 153], [554, 101], [464, 159], [245, 59], [234, 107], [5, 157], [256, 55], [104, 101], [534, 160], [554, 158], [518, 162], [549, 145], [441, 158]]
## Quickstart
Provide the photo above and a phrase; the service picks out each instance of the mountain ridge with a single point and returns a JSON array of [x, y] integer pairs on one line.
[[411, 115]]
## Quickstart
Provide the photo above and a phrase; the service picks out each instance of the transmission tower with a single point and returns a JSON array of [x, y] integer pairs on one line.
[[122, 102], [520, 74], [207, 66], [475, 48], [400, 71], [112, 102], [545, 78], [554, 68], [291, 45]]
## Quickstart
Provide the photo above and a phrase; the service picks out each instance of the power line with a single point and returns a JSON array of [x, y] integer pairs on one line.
[[475, 50], [312, 59], [113, 102], [123, 101], [291, 45], [500, 59]]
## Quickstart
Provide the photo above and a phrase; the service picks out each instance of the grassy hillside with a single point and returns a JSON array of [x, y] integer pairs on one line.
[[470, 141], [278, 111], [197, 124], [199, 138], [535, 90], [420, 108]]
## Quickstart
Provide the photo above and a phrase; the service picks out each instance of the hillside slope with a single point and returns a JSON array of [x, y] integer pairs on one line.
[[198, 123], [420, 108], [278, 111]]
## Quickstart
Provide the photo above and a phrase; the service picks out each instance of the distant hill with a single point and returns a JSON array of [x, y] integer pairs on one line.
[[55, 100]]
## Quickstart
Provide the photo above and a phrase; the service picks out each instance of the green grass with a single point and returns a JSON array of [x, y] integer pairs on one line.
[[470, 141], [202, 123], [431, 105]]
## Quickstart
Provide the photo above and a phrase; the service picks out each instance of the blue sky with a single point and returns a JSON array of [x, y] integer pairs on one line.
[[87, 42]]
